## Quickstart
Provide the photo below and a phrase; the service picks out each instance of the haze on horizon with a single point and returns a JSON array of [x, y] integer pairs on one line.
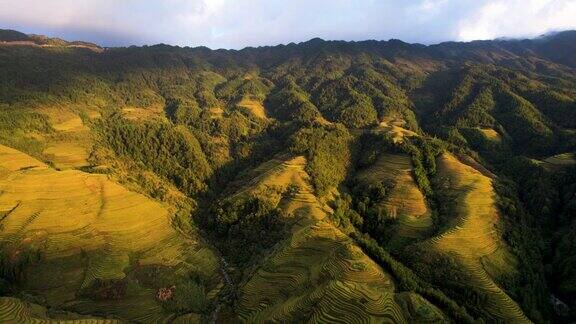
[[236, 24]]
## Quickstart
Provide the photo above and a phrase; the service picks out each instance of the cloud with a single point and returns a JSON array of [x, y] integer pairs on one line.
[[240, 23], [518, 18]]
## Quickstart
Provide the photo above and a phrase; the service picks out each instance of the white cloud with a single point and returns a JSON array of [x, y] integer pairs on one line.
[[518, 18], [240, 23]]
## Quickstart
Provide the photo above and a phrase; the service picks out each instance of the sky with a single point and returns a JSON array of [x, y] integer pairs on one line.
[[237, 24]]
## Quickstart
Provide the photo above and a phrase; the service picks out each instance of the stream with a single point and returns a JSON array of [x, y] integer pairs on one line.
[[224, 271]]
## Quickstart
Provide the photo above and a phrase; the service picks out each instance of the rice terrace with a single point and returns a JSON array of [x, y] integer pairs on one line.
[[288, 162]]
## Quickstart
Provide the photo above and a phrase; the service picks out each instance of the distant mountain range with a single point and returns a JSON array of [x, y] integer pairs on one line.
[[555, 46], [13, 37]]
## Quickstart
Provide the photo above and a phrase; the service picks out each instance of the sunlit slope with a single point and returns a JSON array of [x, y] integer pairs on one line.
[[69, 145], [405, 202], [490, 134], [472, 235], [394, 127], [252, 106], [318, 274], [87, 233]]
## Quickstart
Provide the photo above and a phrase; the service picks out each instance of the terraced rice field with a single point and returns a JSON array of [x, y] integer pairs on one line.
[[67, 154], [473, 232], [13, 310], [254, 107], [406, 202], [420, 310], [318, 274], [142, 309], [278, 174], [87, 227], [472, 235], [64, 119], [106, 264], [68, 148], [395, 128], [69, 124]]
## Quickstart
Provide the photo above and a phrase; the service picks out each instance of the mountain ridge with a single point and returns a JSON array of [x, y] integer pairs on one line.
[[7, 35]]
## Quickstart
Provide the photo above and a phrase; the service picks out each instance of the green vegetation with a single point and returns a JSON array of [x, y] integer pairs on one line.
[[410, 281], [247, 226], [290, 102], [320, 182], [17, 126], [173, 153], [328, 152]]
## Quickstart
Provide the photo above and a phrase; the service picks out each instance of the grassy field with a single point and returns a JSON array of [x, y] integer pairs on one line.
[[406, 202], [89, 230], [67, 123], [490, 134], [395, 128], [318, 274], [472, 236], [67, 155], [138, 113], [216, 112], [69, 146], [253, 106]]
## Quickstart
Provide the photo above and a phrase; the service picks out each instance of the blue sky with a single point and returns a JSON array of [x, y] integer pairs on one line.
[[240, 23]]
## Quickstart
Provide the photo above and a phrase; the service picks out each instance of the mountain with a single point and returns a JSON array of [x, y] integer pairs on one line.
[[325, 181], [12, 37]]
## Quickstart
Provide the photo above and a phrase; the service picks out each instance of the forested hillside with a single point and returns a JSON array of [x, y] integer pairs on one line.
[[322, 181]]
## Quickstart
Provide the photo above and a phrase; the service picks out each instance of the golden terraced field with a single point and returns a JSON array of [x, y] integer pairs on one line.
[[86, 227], [473, 238], [69, 146]]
